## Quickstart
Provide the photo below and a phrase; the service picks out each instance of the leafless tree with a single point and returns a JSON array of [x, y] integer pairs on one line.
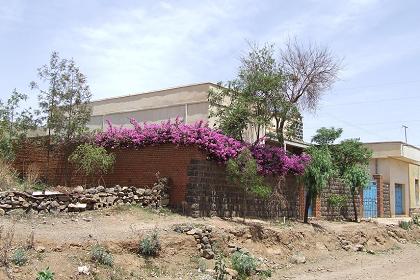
[[309, 70]]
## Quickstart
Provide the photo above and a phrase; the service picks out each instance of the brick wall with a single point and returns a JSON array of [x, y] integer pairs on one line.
[[132, 167], [210, 193]]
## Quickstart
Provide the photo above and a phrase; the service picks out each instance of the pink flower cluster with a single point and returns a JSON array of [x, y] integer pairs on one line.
[[219, 147]]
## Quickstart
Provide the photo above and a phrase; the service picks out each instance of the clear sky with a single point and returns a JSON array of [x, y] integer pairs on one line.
[[132, 46]]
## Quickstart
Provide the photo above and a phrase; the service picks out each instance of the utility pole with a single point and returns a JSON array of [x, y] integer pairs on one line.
[[405, 132]]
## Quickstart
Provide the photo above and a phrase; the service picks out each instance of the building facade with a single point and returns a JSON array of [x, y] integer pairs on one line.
[[188, 102], [399, 165]]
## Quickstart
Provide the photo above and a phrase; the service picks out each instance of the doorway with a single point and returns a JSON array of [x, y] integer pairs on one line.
[[399, 200]]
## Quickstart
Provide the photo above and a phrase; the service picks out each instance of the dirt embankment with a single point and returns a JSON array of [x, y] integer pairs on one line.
[[292, 250]]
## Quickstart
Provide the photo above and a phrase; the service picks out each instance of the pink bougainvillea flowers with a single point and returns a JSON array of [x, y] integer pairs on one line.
[[271, 160]]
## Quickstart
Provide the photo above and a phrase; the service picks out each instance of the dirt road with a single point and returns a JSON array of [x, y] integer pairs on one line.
[[399, 264]]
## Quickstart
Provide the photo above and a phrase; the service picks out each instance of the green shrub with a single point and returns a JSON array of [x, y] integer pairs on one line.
[[244, 264], [46, 274], [19, 257], [6, 148], [265, 273], [100, 255], [92, 160], [405, 225], [150, 245], [336, 200]]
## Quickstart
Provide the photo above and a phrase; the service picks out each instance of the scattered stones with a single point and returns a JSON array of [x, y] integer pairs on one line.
[[359, 248], [208, 254], [191, 232], [84, 270], [80, 199], [58, 248], [297, 259], [233, 273], [40, 249], [203, 237], [184, 228], [78, 189]]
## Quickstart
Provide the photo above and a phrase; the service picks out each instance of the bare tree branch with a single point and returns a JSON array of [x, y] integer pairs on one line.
[[309, 71]]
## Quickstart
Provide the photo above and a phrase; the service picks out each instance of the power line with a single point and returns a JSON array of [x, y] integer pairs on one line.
[[371, 101], [357, 127], [379, 123], [381, 84]]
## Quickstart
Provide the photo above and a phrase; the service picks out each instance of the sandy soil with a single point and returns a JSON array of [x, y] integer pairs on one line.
[[68, 238], [402, 263]]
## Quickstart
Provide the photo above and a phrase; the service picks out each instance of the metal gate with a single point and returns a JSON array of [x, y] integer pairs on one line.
[[310, 206], [370, 201], [399, 209]]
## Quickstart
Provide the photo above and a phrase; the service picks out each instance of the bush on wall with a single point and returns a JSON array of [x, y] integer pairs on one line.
[[219, 147], [92, 160]]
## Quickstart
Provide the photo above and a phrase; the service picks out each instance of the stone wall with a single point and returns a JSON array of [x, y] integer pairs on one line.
[[84, 199], [387, 201], [210, 193], [330, 212]]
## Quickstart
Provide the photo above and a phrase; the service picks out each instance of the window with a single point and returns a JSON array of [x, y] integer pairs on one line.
[[416, 187]]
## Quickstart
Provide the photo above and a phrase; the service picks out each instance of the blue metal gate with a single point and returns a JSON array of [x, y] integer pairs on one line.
[[310, 206], [370, 201], [399, 209]]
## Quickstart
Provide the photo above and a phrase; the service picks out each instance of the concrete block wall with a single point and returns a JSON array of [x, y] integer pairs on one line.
[[210, 193]]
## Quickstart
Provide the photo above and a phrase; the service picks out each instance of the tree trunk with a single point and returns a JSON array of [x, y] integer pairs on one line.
[[280, 132], [48, 156], [308, 199], [244, 205], [354, 206]]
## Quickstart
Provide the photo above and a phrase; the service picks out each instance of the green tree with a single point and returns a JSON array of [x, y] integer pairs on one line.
[[317, 174], [350, 152], [243, 171], [356, 178], [92, 160], [269, 90], [326, 136], [352, 158], [64, 103], [243, 102], [15, 122], [321, 169]]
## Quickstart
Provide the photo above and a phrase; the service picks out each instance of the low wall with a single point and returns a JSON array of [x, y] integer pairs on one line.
[[84, 199]]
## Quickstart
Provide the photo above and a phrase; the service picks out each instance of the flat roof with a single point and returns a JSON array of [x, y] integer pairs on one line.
[[395, 149], [155, 91], [393, 142]]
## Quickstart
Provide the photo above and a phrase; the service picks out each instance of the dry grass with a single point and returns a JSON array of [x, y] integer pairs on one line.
[[9, 179], [6, 243], [8, 176], [33, 174]]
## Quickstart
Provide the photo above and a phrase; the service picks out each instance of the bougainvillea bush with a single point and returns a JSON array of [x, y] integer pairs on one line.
[[271, 160]]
